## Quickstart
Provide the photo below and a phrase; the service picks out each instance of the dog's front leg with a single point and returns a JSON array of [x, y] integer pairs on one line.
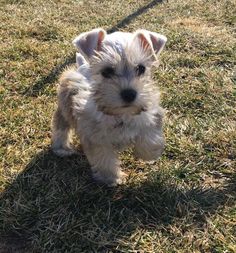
[[104, 163], [150, 144]]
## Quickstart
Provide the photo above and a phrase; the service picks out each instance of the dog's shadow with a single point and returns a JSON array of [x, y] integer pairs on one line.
[[55, 205]]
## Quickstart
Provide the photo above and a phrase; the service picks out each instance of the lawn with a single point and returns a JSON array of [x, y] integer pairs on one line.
[[184, 202]]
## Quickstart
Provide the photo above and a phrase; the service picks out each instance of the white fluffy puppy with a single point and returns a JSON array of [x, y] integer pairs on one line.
[[110, 100]]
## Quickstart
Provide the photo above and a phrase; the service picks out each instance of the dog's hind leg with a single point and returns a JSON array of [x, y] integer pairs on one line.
[[61, 135]]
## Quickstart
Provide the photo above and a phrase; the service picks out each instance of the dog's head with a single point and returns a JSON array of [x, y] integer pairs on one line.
[[120, 66]]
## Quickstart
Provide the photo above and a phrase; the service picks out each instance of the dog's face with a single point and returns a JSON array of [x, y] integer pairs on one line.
[[120, 68], [122, 82]]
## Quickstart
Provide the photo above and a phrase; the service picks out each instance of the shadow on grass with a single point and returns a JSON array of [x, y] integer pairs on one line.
[[54, 206]]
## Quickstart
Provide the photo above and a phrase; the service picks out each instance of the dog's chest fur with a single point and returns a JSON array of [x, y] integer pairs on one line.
[[117, 131]]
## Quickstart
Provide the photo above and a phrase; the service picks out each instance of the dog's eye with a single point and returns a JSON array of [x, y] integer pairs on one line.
[[140, 69], [108, 72]]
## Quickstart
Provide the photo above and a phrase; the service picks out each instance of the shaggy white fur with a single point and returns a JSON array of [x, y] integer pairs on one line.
[[110, 101]]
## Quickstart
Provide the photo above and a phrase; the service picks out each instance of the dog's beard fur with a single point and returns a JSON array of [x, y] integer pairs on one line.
[[106, 91]]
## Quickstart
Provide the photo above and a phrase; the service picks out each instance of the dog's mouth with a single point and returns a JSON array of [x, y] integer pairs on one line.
[[135, 109], [124, 110]]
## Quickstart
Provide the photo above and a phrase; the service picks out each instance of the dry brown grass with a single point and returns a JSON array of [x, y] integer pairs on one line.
[[183, 203]]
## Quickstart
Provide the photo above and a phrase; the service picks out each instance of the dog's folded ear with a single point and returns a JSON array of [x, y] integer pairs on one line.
[[89, 42], [152, 41]]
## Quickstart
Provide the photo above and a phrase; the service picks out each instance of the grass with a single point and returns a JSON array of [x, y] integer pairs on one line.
[[186, 201]]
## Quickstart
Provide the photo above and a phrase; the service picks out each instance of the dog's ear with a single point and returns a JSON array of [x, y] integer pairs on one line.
[[87, 43], [152, 41]]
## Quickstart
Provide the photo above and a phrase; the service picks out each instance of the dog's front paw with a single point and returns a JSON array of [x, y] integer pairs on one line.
[[110, 180], [62, 152]]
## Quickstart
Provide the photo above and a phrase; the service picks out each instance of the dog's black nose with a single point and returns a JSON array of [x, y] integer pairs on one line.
[[128, 95]]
